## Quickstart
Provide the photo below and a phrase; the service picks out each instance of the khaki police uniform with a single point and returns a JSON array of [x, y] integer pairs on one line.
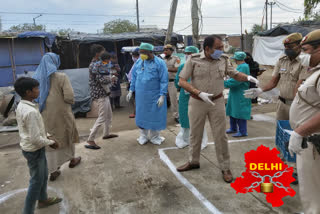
[[290, 71], [308, 162], [306, 105], [207, 75], [173, 62]]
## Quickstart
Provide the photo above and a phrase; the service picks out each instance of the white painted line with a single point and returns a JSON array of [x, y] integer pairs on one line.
[[247, 139], [7, 195], [264, 118], [187, 184], [64, 206]]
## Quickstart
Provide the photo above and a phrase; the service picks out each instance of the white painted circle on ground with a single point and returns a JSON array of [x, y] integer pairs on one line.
[[64, 206]]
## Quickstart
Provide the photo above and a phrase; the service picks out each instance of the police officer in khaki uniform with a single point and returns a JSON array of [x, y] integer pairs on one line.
[[173, 62], [305, 120], [288, 74], [207, 71]]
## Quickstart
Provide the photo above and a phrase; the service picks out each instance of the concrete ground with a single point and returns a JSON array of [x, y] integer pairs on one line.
[[124, 177]]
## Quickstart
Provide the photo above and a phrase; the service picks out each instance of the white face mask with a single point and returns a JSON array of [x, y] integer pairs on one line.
[[305, 59], [187, 57]]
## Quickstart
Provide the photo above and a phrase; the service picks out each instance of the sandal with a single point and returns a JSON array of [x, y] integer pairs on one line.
[[110, 136], [74, 162], [94, 147], [49, 202], [55, 175]]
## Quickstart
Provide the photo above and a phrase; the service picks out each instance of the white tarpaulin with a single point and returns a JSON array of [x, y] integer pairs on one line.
[[267, 50]]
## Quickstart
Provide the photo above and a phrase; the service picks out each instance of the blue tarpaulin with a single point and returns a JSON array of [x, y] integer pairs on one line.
[[22, 53], [49, 38]]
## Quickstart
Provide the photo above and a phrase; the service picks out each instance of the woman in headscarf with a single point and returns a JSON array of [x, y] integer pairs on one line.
[[55, 100]]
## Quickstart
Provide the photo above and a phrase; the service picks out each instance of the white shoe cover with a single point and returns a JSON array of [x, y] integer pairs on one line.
[[182, 139], [143, 138], [155, 137]]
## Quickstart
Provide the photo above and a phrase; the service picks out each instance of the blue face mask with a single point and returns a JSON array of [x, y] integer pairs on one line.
[[216, 54]]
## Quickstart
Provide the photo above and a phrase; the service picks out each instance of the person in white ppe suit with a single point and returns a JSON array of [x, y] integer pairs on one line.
[[150, 83]]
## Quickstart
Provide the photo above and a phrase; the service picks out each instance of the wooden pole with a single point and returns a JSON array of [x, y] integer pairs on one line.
[[171, 21], [195, 22], [241, 26], [266, 14], [137, 9]]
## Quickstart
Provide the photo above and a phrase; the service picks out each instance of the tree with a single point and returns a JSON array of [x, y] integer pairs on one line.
[[256, 28], [27, 27], [63, 32], [119, 26], [309, 5], [315, 17]]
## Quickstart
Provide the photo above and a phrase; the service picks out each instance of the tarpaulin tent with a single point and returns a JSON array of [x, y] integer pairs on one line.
[[20, 53], [49, 38], [267, 50], [74, 50], [268, 46]]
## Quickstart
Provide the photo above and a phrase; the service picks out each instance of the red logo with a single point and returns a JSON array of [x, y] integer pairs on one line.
[[266, 173]]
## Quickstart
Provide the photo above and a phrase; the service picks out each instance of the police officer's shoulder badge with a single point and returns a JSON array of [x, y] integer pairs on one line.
[[304, 39], [195, 55]]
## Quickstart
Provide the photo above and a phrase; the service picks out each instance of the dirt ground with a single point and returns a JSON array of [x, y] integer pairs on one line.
[[124, 177]]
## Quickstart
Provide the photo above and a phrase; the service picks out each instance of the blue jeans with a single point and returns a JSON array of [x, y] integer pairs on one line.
[[38, 169], [235, 123]]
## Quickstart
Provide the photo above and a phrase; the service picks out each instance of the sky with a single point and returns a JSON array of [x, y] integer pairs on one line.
[[221, 16]]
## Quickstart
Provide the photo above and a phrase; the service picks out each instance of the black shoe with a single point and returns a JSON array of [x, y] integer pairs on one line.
[[295, 176]]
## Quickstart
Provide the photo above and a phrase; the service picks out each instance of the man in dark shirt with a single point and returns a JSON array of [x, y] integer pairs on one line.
[[96, 81], [254, 71]]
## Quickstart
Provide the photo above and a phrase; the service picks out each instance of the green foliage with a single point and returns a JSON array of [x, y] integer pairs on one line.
[[232, 50], [256, 28], [313, 17], [27, 27], [119, 26], [309, 5], [63, 32]]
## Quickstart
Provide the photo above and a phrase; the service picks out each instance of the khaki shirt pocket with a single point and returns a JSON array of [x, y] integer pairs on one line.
[[286, 75], [309, 93], [200, 72]]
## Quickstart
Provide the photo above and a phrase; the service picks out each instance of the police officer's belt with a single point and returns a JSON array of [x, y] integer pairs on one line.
[[314, 139], [212, 99], [288, 102]]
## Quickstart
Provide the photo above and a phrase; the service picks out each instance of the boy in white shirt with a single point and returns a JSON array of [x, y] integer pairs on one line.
[[33, 143]]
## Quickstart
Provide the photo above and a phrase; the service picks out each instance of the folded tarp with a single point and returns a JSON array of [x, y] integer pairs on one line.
[[79, 79]]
